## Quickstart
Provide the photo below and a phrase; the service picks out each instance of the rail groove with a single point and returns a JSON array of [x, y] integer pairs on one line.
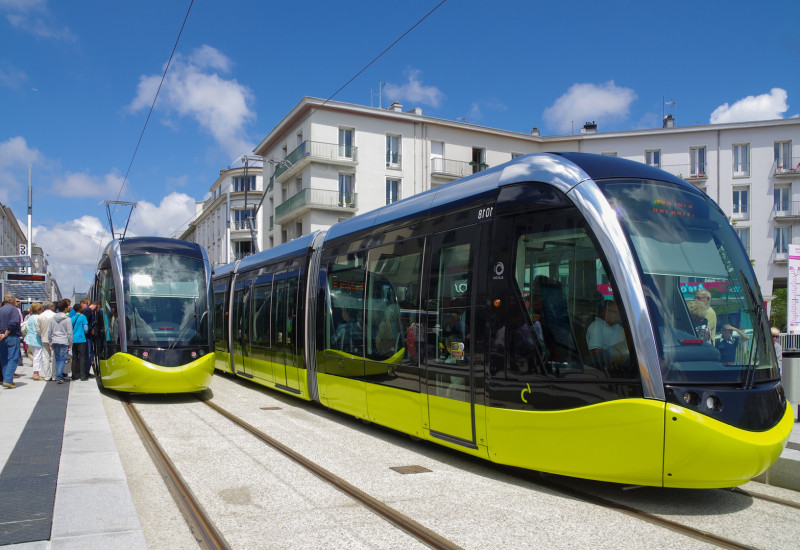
[[201, 526], [403, 522]]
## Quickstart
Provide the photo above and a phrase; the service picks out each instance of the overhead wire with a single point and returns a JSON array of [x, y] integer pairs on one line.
[[367, 66], [147, 120]]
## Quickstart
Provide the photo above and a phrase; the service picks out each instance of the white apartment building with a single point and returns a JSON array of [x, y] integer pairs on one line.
[[226, 224], [330, 161]]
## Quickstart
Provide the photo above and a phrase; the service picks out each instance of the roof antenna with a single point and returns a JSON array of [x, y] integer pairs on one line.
[[111, 222]]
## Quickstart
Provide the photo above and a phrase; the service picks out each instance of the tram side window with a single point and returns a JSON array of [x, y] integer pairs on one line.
[[393, 302], [563, 319], [219, 317], [346, 278], [451, 273], [262, 299]]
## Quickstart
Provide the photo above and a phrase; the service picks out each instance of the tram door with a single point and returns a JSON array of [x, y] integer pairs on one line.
[[448, 355], [285, 329], [241, 322]]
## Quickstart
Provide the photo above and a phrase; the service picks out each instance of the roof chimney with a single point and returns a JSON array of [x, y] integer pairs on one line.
[[589, 128], [535, 131], [396, 107], [415, 111], [669, 121]]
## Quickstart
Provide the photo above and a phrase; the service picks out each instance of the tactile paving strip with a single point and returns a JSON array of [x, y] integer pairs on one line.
[[28, 480]]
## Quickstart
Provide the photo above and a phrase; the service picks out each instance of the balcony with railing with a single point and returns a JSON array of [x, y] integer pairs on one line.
[[320, 199], [786, 210], [786, 167], [450, 168], [315, 151], [243, 225], [780, 256], [693, 173]]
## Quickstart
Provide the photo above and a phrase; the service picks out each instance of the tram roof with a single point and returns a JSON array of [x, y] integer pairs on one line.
[[561, 170], [160, 245], [276, 254]]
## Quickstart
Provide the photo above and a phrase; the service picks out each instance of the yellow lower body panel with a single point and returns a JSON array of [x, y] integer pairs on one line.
[[222, 361], [702, 452], [619, 441], [124, 372]]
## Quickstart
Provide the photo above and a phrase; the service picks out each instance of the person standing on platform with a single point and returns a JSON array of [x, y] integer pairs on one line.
[[80, 327], [10, 334], [42, 328], [33, 339], [776, 335], [60, 336]]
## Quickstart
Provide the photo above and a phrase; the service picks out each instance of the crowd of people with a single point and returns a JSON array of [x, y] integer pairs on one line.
[[56, 336]]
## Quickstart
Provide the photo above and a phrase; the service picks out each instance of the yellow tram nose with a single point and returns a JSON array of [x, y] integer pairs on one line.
[[702, 452]]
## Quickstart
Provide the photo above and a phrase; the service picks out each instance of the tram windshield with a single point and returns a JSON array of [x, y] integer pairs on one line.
[[165, 300], [703, 300]]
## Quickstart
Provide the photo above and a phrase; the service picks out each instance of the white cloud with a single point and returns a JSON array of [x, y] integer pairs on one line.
[[194, 88], [589, 102], [762, 107], [174, 212], [15, 157], [35, 17], [85, 185], [73, 250], [413, 91]]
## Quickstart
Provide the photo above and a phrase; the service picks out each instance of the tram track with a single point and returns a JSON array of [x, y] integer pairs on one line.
[[699, 534], [399, 520], [714, 537], [200, 524]]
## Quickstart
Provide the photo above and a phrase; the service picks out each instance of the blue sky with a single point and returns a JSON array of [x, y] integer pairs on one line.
[[77, 80]]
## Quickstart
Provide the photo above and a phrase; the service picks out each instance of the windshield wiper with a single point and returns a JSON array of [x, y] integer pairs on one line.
[[758, 331]]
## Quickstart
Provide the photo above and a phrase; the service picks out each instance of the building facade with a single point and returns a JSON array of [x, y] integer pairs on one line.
[[327, 161], [225, 223]]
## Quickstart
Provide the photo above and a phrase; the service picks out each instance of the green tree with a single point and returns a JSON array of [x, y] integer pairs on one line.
[[777, 316]]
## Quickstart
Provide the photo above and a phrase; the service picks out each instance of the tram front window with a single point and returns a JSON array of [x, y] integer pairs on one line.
[[165, 300], [704, 303]]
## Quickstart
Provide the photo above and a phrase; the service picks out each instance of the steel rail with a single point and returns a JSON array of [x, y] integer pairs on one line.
[[698, 534], [201, 526], [403, 522], [768, 498]]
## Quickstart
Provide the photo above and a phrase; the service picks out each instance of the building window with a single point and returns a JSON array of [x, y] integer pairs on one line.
[[697, 156], [392, 190], [240, 183], [744, 236], [515, 155], [347, 196], [653, 158], [609, 154], [782, 194], [783, 155], [783, 237], [740, 202], [392, 150], [478, 160], [741, 160], [346, 142]]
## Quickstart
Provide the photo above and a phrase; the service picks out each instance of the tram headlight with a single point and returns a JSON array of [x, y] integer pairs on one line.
[[691, 398], [713, 403], [194, 355]]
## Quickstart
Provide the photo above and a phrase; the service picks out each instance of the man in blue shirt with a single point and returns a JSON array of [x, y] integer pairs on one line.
[[10, 334]]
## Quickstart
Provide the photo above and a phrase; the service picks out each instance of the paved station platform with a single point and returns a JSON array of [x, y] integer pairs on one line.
[[62, 483]]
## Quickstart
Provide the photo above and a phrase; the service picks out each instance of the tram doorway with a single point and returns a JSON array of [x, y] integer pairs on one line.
[[285, 330], [448, 357]]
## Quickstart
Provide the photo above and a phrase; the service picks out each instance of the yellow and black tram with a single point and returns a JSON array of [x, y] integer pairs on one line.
[[153, 333], [539, 314]]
